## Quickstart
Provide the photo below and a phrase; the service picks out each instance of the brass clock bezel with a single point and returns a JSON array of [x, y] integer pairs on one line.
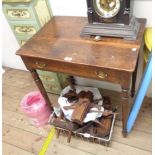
[[106, 14]]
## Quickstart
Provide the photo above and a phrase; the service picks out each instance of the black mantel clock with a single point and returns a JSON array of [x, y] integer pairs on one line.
[[111, 18]]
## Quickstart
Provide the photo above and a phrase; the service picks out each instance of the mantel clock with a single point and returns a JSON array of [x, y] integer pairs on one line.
[[111, 18]]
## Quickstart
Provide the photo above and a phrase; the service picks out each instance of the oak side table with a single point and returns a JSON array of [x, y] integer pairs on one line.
[[58, 47]]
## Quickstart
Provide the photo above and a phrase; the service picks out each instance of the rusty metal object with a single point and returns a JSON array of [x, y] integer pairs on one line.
[[71, 96], [86, 94], [61, 123], [103, 129]]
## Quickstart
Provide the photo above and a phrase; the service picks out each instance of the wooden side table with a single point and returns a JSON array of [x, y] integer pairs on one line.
[[58, 47]]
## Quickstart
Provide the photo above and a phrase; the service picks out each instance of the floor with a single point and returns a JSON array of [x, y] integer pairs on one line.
[[21, 138]]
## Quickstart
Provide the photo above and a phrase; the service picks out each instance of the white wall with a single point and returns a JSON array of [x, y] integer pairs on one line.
[[142, 9], [9, 47]]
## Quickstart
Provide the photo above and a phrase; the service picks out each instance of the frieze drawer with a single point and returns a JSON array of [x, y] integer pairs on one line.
[[85, 71]]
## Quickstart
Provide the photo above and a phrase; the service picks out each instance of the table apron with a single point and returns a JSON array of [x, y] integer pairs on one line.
[[81, 70]]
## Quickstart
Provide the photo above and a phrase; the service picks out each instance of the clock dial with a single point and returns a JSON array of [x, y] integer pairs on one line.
[[107, 8]]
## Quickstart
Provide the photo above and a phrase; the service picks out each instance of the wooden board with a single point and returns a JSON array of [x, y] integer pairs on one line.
[[80, 112], [114, 149], [33, 143], [12, 150]]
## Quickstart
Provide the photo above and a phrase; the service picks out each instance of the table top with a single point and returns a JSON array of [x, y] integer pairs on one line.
[[60, 40]]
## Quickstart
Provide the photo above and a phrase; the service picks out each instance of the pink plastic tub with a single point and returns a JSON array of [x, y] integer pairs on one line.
[[35, 107]]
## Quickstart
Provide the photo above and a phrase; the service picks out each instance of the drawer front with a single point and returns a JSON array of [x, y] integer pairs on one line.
[[18, 12], [20, 28], [75, 69], [50, 81]]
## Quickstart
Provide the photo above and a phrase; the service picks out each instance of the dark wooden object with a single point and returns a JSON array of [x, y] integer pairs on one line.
[[60, 122], [68, 125], [84, 127], [105, 127], [71, 96], [107, 103], [128, 32], [85, 100], [80, 111], [41, 87], [58, 47]]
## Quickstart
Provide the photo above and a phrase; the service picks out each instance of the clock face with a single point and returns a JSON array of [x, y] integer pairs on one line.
[[107, 8]]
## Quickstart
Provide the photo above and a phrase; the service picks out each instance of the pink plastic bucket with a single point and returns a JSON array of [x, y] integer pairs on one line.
[[35, 107]]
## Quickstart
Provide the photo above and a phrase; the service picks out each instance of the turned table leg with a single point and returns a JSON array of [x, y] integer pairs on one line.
[[125, 109], [40, 86]]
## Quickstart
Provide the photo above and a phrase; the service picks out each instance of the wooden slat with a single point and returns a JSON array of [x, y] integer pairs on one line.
[[136, 139], [11, 75], [56, 148], [21, 83], [12, 150], [15, 92], [114, 149], [20, 138], [12, 97], [142, 123], [33, 143], [19, 122], [11, 104]]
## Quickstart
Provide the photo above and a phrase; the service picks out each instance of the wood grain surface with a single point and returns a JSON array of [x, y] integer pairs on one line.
[[60, 38]]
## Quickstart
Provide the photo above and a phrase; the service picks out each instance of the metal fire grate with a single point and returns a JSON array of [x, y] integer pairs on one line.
[[87, 136]]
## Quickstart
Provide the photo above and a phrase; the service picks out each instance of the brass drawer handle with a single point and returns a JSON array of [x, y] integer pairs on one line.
[[40, 65], [101, 74]]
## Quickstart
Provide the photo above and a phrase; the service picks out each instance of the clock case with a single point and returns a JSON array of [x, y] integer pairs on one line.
[[123, 25]]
